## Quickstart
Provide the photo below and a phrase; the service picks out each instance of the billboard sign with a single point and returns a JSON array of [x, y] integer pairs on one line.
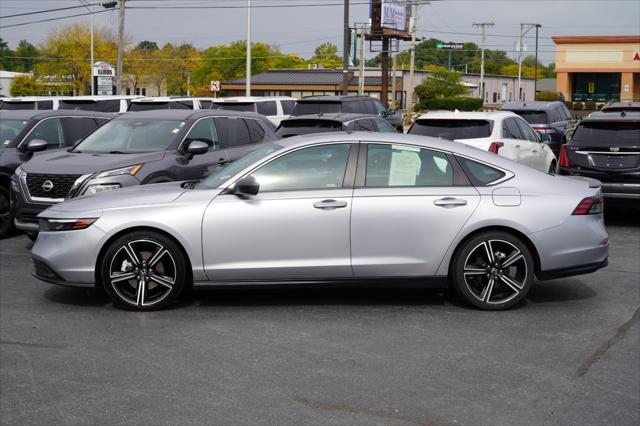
[[395, 15]]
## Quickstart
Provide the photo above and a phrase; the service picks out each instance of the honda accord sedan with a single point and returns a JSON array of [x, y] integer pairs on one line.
[[333, 208]]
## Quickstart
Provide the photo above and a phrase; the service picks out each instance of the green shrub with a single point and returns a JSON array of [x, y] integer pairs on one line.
[[25, 85], [569, 104], [459, 102], [590, 105], [578, 106], [546, 95]]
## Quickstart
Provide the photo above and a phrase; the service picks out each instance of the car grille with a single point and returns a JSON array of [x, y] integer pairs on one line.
[[61, 185]]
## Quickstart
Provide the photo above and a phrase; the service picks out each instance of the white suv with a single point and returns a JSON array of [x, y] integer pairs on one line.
[[275, 108], [503, 133], [164, 102], [101, 103]]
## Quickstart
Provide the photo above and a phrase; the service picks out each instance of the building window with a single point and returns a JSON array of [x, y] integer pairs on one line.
[[495, 97], [128, 91]]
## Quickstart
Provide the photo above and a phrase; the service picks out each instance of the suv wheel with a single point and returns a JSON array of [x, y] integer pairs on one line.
[[6, 218]]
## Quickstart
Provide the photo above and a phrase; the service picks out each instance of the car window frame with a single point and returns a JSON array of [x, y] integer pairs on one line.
[[25, 137], [183, 148], [528, 127]]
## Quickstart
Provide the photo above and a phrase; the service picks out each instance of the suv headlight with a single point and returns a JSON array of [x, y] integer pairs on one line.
[[100, 187], [131, 170], [49, 224]]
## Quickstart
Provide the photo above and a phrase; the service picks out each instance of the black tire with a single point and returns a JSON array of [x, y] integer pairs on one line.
[[163, 273], [494, 283], [553, 168], [33, 235], [6, 218]]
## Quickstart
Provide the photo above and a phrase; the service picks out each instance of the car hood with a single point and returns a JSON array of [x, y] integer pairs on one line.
[[80, 163], [160, 193]]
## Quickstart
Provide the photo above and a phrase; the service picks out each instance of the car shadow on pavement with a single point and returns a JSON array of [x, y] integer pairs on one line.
[[560, 290], [620, 216], [77, 296]]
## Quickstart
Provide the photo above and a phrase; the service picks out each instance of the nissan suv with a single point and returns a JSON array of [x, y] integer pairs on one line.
[[341, 122], [136, 148]]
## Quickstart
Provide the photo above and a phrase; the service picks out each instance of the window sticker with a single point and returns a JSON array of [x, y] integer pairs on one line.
[[405, 167]]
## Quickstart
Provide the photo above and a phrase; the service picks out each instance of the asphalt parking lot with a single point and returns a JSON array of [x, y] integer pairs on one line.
[[568, 355]]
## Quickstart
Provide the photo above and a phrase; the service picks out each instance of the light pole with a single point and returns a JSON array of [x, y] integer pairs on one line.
[[248, 65], [482, 25], [89, 7]]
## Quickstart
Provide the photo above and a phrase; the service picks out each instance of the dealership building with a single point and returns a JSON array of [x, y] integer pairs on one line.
[[598, 68]]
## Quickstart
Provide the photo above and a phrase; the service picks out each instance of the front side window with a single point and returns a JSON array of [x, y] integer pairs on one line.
[[527, 131], [400, 165], [48, 130], [317, 167], [510, 129], [132, 135], [204, 130], [384, 127], [380, 109]]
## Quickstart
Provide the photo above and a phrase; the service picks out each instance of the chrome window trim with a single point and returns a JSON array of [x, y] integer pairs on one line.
[[606, 153]]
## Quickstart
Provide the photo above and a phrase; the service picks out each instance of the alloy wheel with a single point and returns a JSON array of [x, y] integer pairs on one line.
[[495, 271], [6, 223], [142, 272]]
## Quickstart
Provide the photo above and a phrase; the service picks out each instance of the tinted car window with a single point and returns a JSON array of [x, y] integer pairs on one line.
[[383, 126], [353, 106], [45, 104], [304, 108], [181, 105], [132, 135], [453, 128], [287, 106], [605, 134], [380, 109], [318, 167], [8, 105], [48, 130], [235, 106], [267, 108], [397, 165], [256, 131], [9, 129], [232, 132], [205, 104], [148, 106], [365, 125], [534, 117], [111, 105], [204, 130], [481, 173], [527, 131], [510, 129], [303, 127], [77, 129], [369, 107]]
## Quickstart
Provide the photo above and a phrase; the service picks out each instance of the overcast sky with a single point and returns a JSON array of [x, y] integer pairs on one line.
[[299, 28]]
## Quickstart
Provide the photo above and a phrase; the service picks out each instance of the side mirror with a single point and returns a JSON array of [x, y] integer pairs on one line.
[[197, 147], [37, 145], [247, 185], [544, 137]]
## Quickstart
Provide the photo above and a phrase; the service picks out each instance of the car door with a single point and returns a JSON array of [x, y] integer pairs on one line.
[[196, 167], [514, 141], [533, 154], [295, 228], [409, 203]]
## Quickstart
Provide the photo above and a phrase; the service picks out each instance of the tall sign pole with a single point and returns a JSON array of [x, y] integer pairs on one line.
[[412, 62], [482, 25], [247, 88], [346, 47], [120, 49], [524, 32]]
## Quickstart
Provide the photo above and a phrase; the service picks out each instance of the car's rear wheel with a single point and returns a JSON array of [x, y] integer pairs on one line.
[[493, 270], [143, 271], [6, 218]]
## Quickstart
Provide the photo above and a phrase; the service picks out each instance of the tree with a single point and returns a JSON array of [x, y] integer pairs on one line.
[[147, 45], [180, 62], [25, 53], [441, 84], [26, 85], [327, 55], [527, 72], [68, 53], [6, 60]]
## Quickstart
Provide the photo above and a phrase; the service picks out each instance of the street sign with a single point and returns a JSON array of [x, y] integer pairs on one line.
[[215, 86], [450, 46]]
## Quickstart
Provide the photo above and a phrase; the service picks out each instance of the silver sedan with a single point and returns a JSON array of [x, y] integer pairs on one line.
[[333, 208]]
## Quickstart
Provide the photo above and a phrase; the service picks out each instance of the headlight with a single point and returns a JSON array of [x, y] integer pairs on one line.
[[48, 224], [100, 187], [131, 170]]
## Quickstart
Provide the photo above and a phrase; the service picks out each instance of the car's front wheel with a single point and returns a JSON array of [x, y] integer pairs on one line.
[[143, 271], [6, 218], [493, 270]]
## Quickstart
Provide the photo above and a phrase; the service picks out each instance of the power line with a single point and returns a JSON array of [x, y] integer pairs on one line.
[[42, 11], [53, 19]]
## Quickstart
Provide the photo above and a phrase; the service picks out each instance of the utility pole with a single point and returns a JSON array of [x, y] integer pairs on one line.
[[393, 79], [363, 30], [247, 88], [346, 47], [89, 7], [412, 62], [120, 49], [520, 50], [482, 25]]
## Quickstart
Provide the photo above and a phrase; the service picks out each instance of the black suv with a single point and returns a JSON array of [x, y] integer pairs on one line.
[[332, 122], [23, 132], [136, 148], [354, 104], [606, 146], [552, 118]]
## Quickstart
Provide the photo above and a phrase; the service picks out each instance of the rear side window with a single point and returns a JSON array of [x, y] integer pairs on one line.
[[45, 104], [353, 106], [204, 130], [304, 108], [181, 105], [605, 134], [256, 131], [534, 117], [235, 106], [111, 105], [287, 106], [77, 129], [233, 132], [480, 174], [148, 106], [12, 106], [205, 104], [399, 165], [267, 108], [453, 128]]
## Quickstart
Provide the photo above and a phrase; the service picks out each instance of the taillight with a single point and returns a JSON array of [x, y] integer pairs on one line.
[[590, 205], [495, 147], [564, 159]]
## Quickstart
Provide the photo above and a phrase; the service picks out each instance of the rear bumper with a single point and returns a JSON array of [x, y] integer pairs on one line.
[[623, 190], [572, 270]]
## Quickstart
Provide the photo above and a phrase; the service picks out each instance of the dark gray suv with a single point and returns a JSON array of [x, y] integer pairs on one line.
[[136, 148], [21, 131]]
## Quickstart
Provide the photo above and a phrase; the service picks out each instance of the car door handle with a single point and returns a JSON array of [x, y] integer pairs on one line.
[[329, 204], [534, 150], [517, 146], [222, 161], [450, 202]]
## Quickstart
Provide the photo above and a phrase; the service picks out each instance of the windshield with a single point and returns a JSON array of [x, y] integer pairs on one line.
[[221, 176], [533, 117], [605, 134], [9, 129], [236, 106], [304, 108], [453, 128], [132, 135], [106, 105]]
